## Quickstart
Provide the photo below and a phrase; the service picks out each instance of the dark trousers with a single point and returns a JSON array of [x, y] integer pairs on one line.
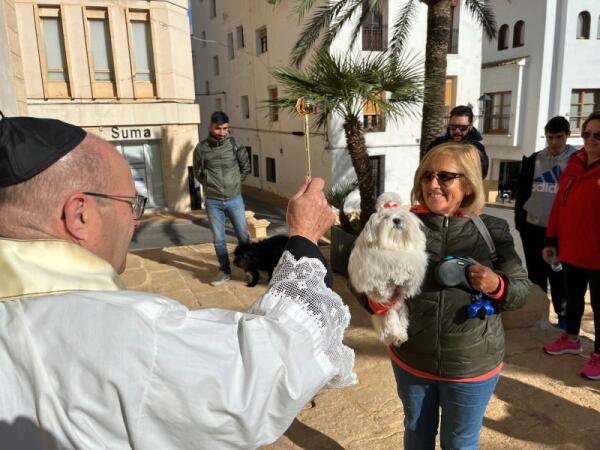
[[577, 280], [538, 271]]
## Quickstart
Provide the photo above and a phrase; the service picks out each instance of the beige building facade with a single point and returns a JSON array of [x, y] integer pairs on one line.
[[120, 69]]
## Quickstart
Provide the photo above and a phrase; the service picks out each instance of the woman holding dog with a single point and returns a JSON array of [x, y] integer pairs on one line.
[[451, 362]]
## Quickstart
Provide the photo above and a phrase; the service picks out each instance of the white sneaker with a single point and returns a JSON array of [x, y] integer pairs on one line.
[[221, 278]]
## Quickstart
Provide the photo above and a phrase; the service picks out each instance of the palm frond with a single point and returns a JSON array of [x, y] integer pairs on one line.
[[402, 26], [483, 12], [317, 24], [345, 17], [302, 7]]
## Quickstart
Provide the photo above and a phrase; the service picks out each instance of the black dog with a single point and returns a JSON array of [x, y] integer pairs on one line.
[[262, 255]]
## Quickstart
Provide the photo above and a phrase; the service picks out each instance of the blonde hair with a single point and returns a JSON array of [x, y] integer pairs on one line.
[[469, 162]]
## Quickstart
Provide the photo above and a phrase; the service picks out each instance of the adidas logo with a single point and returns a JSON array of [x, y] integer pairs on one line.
[[551, 176], [551, 188]]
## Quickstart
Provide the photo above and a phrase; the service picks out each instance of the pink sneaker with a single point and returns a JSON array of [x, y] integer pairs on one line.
[[591, 369], [563, 345]]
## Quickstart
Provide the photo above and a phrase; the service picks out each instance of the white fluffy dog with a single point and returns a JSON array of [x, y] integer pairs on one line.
[[389, 260]]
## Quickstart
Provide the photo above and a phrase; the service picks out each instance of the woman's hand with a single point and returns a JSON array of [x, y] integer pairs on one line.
[[483, 278]]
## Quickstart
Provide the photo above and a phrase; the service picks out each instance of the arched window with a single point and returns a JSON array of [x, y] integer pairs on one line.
[[583, 25], [503, 37], [519, 34]]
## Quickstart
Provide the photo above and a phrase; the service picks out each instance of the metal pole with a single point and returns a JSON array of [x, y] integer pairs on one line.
[[307, 145]]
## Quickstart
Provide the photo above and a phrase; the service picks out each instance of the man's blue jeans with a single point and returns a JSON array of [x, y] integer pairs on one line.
[[462, 404], [217, 210]]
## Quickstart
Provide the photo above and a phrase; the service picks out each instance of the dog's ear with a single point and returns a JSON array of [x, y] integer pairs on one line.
[[368, 231]]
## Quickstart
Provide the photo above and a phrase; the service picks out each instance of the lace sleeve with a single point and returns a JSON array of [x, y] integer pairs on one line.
[[297, 295]]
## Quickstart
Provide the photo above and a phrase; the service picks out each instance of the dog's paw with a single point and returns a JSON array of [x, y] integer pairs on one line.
[[251, 279]]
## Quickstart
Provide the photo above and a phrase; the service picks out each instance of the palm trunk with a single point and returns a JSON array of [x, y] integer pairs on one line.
[[439, 20], [357, 147]]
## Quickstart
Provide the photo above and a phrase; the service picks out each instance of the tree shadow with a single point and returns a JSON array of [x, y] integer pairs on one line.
[[309, 438], [24, 434], [540, 417]]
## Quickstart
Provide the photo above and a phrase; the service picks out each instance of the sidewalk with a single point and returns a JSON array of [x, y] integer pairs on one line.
[[541, 402]]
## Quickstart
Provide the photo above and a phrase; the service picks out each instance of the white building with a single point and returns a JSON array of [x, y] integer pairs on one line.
[[545, 63], [235, 45]]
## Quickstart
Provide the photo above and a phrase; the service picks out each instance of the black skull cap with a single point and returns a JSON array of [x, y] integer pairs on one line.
[[29, 145]]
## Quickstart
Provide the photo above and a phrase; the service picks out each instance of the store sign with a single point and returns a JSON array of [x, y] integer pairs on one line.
[[131, 133]]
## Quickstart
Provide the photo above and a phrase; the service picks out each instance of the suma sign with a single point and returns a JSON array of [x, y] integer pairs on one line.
[[131, 133]]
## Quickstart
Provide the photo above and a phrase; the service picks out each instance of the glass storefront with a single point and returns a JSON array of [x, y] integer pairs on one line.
[[144, 160]]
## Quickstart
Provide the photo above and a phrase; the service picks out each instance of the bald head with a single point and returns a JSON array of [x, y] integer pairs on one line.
[[51, 205], [33, 208]]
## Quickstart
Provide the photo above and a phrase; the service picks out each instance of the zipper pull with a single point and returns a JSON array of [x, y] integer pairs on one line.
[[446, 221]]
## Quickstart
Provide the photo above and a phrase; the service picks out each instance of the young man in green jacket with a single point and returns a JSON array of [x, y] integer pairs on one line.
[[221, 164]]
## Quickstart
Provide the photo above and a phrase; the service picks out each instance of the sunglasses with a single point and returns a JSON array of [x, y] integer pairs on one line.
[[589, 134], [461, 128], [443, 178]]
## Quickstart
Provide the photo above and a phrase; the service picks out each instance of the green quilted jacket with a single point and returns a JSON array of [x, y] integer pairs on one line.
[[221, 165], [442, 339]]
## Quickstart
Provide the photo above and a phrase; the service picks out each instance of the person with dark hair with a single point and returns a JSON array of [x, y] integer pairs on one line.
[[221, 164], [460, 128], [573, 238], [93, 365], [536, 190]]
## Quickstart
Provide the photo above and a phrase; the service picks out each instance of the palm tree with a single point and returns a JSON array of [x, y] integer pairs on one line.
[[342, 85], [328, 17]]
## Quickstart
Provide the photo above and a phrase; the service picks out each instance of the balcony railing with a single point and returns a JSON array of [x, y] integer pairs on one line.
[[374, 38], [453, 43]]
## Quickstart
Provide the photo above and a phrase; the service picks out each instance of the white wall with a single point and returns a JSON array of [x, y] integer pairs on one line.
[[248, 74], [556, 63]]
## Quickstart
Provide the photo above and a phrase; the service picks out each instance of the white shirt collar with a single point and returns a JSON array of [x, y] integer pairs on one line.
[[46, 266]]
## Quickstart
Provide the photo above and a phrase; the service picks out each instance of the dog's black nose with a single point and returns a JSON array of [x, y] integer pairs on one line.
[[396, 221]]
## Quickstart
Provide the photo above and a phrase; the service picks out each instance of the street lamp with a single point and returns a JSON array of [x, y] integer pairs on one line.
[[306, 106]]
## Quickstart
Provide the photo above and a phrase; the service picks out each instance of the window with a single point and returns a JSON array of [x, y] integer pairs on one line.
[[249, 151], [245, 107], [453, 42], [583, 25], [203, 37], [53, 59], [449, 96], [141, 53], [230, 53], [239, 32], [497, 113], [503, 37], [519, 34], [373, 31], [378, 174], [273, 110], [261, 40], [271, 170], [255, 166], [213, 9], [100, 56], [216, 69], [372, 118], [583, 103]]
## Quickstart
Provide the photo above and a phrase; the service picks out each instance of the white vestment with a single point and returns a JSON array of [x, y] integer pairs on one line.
[[87, 364]]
